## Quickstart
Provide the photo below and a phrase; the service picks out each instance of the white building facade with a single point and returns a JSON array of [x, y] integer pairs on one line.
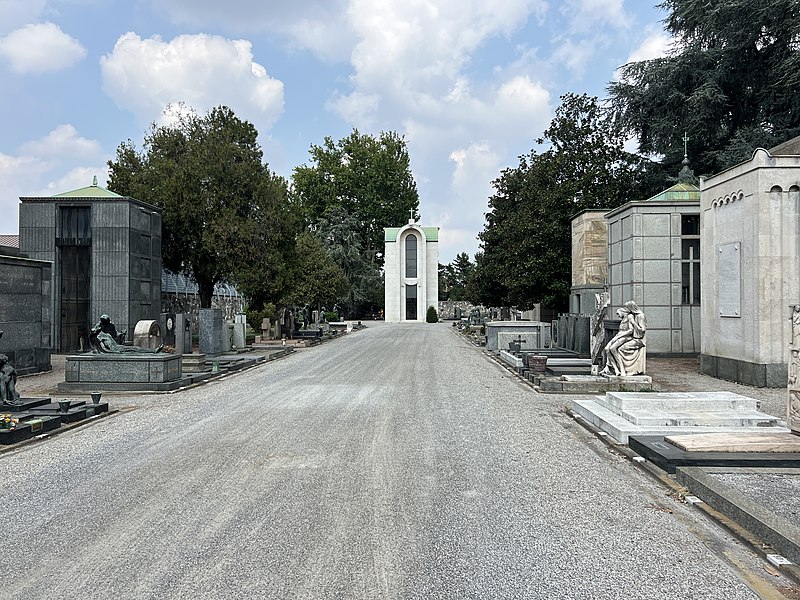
[[411, 270], [750, 255]]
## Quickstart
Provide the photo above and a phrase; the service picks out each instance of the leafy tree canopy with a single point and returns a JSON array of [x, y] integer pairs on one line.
[[225, 215], [319, 281], [526, 245], [339, 233], [370, 178], [730, 82], [454, 276]]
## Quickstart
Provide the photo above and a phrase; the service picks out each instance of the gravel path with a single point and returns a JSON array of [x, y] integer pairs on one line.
[[397, 462]]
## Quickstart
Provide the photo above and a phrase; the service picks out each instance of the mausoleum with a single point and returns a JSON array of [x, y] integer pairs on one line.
[[411, 269], [751, 267], [106, 256], [654, 260]]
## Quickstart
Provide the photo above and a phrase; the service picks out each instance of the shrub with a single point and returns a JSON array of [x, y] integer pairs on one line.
[[432, 316]]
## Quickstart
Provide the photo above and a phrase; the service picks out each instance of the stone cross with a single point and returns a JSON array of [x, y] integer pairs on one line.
[[685, 145]]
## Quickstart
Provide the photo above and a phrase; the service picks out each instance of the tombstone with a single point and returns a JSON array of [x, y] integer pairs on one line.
[[596, 328], [793, 386], [168, 328], [227, 336], [147, 334], [239, 339], [314, 317], [210, 325], [266, 329], [183, 333]]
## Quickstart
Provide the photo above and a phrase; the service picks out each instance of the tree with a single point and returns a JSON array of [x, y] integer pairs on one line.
[[369, 178], [338, 232], [318, 281], [526, 243], [730, 82], [453, 278], [225, 216]]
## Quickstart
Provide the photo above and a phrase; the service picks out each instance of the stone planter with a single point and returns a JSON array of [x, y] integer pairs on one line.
[[95, 397]]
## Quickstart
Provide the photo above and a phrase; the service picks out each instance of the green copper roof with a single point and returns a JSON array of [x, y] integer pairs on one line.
[[677, 193], [390, 233], [90, 191]]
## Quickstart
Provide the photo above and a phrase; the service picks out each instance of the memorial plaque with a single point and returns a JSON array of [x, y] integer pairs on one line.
[[729, 277]]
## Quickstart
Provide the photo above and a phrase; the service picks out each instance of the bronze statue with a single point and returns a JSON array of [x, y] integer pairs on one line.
[[104, 339], [104, 325], [8, 383]]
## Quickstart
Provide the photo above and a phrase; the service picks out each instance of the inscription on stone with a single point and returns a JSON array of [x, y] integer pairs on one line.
[[729, 270]]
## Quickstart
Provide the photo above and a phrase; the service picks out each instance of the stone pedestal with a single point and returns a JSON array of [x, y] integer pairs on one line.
[[210, 322], [122, 372]]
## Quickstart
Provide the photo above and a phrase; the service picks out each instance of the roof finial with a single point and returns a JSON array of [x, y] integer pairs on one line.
[[94, 180], [686, 175], [411, 220]]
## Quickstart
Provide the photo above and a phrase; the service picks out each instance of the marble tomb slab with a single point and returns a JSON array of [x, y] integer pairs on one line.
[[623, 414]]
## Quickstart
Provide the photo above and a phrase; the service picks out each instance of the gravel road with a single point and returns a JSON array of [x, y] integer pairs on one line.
[[397, 462]]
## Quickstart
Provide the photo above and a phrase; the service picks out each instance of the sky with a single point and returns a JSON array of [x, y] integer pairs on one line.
[[469, 84]]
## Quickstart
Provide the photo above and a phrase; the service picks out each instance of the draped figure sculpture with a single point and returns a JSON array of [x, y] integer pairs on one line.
[[625, 354]]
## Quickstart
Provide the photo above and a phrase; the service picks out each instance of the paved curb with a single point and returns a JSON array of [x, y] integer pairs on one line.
[[773, 529], [762, 530]]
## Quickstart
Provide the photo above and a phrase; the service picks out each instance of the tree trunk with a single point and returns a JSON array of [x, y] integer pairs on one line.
[[206, 290]]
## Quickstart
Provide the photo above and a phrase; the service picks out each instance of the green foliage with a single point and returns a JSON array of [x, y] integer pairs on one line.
[[318, 280], [225, 216], [369, 178], [431, 316], [453, 278], [339, 233], [526, 242], [256, 316], [730, 82]]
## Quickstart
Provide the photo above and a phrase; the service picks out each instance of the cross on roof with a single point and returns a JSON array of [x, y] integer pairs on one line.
[[685, 145]]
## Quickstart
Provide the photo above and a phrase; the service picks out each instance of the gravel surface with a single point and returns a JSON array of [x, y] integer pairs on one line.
[[397, 462]]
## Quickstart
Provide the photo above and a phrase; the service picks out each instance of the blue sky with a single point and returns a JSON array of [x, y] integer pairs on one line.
[[470, 83]]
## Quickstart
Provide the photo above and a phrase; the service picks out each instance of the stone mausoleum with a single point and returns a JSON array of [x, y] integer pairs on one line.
[[654, 260], [25, 311], [751, 266], [106, 256], [411, 269]]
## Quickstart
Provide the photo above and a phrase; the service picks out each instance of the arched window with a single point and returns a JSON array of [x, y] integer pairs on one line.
[[411, 256]]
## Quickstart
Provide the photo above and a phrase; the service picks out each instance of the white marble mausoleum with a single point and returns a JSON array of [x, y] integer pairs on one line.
[[411, 269]]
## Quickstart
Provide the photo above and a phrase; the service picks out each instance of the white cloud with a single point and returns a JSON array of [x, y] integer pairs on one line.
[[655, 45], [40, 48], [60, 161], [589, 15], [356, 107], [64, 140], [16, 13], [319, 26], [575, 56], [203, 71], [75, 178]]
